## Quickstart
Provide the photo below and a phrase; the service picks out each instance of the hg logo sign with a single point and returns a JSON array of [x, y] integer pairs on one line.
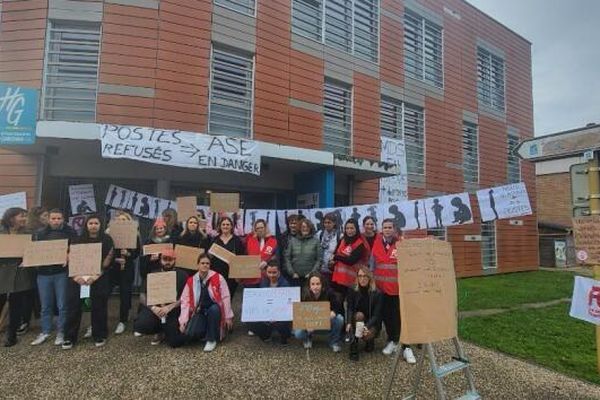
[[13, 104], [18, 114]]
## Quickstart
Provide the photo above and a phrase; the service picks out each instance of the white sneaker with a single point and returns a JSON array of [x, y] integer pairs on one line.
[[389, 348], [210, 346], [88, 333], [307, 344], [409, 356], [40, 339], [137, 334], [60, 338], [336, 348], [100, 343], [250, 333], [120, 328]]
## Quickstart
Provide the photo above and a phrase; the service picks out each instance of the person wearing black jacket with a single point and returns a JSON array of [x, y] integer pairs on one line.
[[151, 262], [193, 236], [93, 232], [233, 244]]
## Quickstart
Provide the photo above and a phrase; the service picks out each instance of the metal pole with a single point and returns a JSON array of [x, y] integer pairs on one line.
[[594, 185]]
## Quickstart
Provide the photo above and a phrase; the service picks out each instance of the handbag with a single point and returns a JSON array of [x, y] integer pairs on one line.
[[196, 326]]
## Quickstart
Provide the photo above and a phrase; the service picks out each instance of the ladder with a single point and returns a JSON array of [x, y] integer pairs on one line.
[[459, 363]]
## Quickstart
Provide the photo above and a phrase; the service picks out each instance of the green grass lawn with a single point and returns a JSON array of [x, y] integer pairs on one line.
[[546, 336], [508, 290]]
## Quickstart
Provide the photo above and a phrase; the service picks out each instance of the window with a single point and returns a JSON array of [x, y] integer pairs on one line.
[[405, 121], [488, 245], [243, 6], [490, 79], [71, 71], [337, 111], [470, 153], [514, 164], [230, 111], [423, 50], [351, 26]]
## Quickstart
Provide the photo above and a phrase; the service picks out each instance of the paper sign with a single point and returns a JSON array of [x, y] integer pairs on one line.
[[47, 252], [84, 291], [269, 304], [586, 231], [186, 207], [161, 288], [228, 202], [244, 267], [157, 248], [85, 259], [13, 200], [13, 245], [187, 256], [312, 315], [393, 188], [124, 234], [450, 210], [82, 199], [427, 282], [221, 253], [585, 303], [502, 202]]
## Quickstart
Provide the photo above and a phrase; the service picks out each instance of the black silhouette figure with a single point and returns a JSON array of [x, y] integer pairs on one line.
[[338, 220], [268, 217], [417, 214], [372, 210], [462, 214], [122, 202], [355, 214], [156, 206], [252, 218], [399, 219], [113, 194], [215, 220], [493, 203], [319, 217], [235, 217], [83, 208], [145, 207], [168, 205], [287, 224], [437, 211], [201, 214], [134, 201]]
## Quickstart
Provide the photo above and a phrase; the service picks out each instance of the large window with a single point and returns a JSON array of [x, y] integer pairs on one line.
[[230, 111], [348, 25], [490, 83], [470, 153], [423, 49], [488, 245], [405, 121], [513, 162], [337, 111], [244, 6], [71, 71]]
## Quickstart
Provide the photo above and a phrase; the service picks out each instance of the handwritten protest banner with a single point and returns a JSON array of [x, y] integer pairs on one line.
[[187, 256], [85, 259], [312, 315], [586, 231], [393, 188], [269, 304], [13, 200], [13, 245], [161, 288], [124, 234], [242, 267], [186, 207], [427, 291], [82, 199], [501, 202], [156, 248], [221, 253], [224, 202], [47, 252]]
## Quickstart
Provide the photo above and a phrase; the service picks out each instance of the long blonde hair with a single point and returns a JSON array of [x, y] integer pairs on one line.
[[367, 272]]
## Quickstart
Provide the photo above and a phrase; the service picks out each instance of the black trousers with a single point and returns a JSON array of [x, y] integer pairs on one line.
[[31, 305], [391, 317], [99, 293], [264, 330], [123, 278], [15, 301], [148, 323]]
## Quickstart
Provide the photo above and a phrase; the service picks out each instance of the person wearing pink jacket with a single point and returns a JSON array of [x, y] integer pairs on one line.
[[206, 312]]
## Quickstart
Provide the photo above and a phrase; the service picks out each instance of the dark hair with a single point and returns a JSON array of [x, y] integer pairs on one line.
[[368, 217], [201, 256], [391, 220], [273, 263], [85, 233], [223, 218], [314, 274], [10, 214], [56, 211], [331, 217], [354, 222], [33, 218]]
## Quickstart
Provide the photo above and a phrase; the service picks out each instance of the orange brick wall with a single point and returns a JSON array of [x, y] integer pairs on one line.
[[554, 198]]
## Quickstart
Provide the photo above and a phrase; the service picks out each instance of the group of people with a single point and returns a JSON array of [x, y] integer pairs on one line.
[[353, 269]]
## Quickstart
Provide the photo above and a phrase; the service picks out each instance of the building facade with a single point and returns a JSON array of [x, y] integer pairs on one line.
[[315, 82]]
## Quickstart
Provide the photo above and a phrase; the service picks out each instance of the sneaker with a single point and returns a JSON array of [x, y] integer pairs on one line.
[[389, 348], [60, 338], [250, 333], [307, 344], [42, 337], [67, 345], [209, 346], [157, 339], [23, 328], [100, 343], [409, 356], [137, 334], [336, 348], [88, 333], [120, 328]]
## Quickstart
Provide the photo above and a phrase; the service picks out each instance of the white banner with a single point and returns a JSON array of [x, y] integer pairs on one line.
[[407, 215], [269, 304], [13, 200], [180, 148], [251, 216], [585, 303], [393, 188], [82, 199], [139, 204], [449, 210], [504, 202]]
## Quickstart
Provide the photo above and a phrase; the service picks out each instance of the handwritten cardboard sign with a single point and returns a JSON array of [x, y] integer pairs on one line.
[[221, 253], [224, 202], [156, 248], [427, 282], [161, 288], [242, 267], [124, 234], [13, 245], [269, 304], [187, 256], [85, 259], [47, 252], [312, 315], [186, 207], [586, 231]]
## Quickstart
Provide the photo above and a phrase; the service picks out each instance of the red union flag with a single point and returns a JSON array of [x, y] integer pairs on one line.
[[585, 304]]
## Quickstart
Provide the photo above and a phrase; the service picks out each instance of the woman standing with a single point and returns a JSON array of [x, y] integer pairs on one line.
[[368, 235], [260, 243], [329, 238], [348, 257], [159, 234], [303, 254], [193, 236], [233, 244]]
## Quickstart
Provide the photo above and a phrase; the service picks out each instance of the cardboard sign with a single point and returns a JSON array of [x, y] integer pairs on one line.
[[428, 305], [586, 231], [47, 252], [124, 234], [269, 304], [85, 259], [156, 248], [312, 315], [221, 253], [13, 245], [242, 267], [187, 256], [161, 288], [186, 207], [224, 202]]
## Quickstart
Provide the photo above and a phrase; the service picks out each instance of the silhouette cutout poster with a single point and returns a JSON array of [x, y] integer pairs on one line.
[[501, 202], [449, 210]]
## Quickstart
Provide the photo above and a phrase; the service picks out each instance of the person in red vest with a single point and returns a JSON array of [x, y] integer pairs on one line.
[[260, 243], [349, 256], [383, 257]]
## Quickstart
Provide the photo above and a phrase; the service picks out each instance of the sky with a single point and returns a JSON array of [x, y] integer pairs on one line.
[[565, 37]]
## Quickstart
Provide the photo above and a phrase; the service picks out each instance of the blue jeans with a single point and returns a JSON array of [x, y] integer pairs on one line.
[[335, 333], [53, 290]]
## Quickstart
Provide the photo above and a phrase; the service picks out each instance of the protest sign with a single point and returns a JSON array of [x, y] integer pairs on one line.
[[182, 149], [586, 231], [393, 188], [269, 304], [82, 199], [228, 202], [585, 302], [186, 207], [13, 200], [221, 253], [312, 315], [47, 252], [124, 233], [85, 259], [501, 202], [251, 216], [454, 209], [187, 256], [13, 245], [427, 281], [161, 288], [242, 267], [156, 248]]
